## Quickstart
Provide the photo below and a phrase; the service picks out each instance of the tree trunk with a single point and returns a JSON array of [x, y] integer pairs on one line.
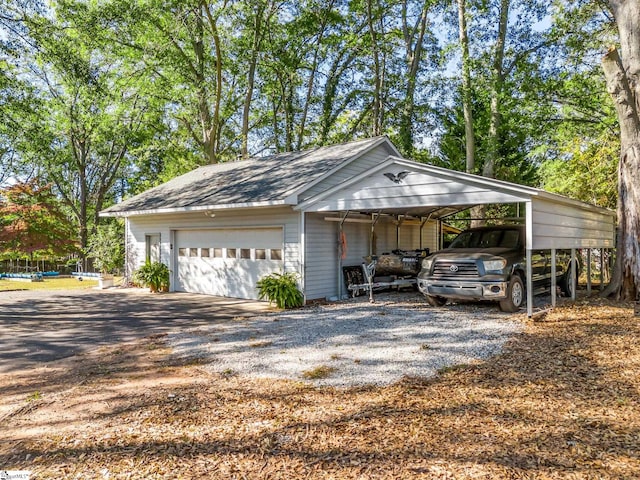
[[322, 29], [497, 83], [470, 144], [378, 69], [413, 40], [622, 73], [212, 134], [496, 92], [256, 46]]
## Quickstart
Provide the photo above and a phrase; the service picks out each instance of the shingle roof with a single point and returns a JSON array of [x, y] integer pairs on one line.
[[267, 180]]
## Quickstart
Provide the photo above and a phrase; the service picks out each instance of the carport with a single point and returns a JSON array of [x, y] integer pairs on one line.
[[409, 190]]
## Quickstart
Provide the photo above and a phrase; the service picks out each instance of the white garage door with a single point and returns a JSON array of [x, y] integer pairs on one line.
[[227, 262]]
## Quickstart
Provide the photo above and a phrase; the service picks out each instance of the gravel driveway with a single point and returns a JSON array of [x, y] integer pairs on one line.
[[352, 342]]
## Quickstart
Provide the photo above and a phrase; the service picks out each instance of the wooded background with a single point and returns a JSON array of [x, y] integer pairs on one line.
[[100, 100]]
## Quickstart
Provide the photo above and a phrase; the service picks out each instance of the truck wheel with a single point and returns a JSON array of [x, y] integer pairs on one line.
[[515, 295], [435, 301], [566, 283]]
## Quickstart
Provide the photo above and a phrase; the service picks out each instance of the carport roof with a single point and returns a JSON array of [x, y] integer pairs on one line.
[[426, 190], [404, 187]]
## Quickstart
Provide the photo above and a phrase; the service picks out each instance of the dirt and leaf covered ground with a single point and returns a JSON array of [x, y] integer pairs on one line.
[[561, 401]]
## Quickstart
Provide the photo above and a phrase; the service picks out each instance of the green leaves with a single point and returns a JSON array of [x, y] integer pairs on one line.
[[106, 247], [154, 275], [281, 289]]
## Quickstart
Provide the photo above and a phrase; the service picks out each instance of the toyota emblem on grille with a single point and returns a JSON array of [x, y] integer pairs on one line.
[[453, 268]]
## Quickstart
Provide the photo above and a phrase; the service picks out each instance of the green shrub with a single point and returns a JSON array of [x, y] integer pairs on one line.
[[281, 289], [153, 275], [107, 248]]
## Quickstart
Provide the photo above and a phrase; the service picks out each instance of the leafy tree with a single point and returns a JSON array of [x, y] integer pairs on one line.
[[33, 224], [106, 247], [89, 117], [585, 172]]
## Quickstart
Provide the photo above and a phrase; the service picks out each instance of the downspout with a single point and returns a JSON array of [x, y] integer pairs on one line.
[[127, 262]]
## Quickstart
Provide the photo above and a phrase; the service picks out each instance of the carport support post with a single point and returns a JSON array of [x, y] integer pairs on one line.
[[589, 272], [303, 254], [601, 269], [374, 219], [340, 253], [423, 222], [529, 285], [553, 277], [574, 280]]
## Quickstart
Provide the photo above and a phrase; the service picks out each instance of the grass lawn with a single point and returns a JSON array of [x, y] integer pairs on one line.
[[50, 283], [561, 402]]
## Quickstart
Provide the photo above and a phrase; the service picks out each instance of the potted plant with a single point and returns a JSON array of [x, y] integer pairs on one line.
[[281, 289], [154, 275]]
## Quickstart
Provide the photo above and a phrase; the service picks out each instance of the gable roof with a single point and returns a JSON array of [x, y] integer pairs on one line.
[[255, 182], [427, 190]]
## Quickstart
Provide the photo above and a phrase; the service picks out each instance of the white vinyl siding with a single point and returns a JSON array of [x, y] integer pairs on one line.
[[408, 235], [377, 192], [368, 161], [321, 259]]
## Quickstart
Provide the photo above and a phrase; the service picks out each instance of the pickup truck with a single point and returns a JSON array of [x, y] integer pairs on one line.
[[489, 263]]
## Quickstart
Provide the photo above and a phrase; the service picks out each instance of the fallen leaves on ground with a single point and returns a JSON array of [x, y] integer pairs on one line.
[[561, 401]]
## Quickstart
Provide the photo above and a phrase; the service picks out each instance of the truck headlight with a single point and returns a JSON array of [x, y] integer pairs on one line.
[[426, 263], [494, 265]]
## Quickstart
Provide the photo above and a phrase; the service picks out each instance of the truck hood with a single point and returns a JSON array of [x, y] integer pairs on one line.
[[473, 253]]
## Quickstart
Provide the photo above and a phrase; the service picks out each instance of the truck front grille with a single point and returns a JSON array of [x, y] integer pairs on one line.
[[458, 269]]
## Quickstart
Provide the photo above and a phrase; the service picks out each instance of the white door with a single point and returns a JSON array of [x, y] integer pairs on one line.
[[227, 262], [152, 247]]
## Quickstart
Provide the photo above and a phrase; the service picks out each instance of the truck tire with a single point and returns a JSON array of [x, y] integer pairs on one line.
[[435, 301], [566, 283], [515, 295]]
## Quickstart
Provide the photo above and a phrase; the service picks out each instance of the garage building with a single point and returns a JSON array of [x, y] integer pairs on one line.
[[222, 227]]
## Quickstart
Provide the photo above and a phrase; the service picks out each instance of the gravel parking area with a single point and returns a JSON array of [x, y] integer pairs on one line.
[[353, 342]]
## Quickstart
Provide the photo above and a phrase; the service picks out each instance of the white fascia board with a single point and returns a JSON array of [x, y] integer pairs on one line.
[[292, 196], [160, 211]]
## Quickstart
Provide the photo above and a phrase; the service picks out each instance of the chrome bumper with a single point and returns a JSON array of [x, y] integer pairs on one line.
[[464, 290]]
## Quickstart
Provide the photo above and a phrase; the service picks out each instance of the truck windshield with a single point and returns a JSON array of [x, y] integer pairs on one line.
[[487, 239]]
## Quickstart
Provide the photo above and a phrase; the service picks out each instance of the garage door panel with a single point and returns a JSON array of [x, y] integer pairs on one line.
[[227, 262]]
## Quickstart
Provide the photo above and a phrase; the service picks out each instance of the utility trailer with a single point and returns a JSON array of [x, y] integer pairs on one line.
[[398, 269]]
